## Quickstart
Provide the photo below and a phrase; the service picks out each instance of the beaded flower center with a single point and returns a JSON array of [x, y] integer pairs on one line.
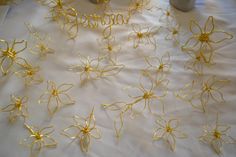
[[139, 35], [147, 95], [18, 104], [169, 129], [11, 53], [207, 87], [88, 68], [55, 92], [174, 32], [217, 134], [38, 136], [109, 47], [204, 37], [85, 130]]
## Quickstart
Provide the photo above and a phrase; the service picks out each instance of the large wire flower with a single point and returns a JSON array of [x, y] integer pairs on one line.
[[205, 37], [56, 96], [216, 135], [168, 131], [83, 129], [200, 93], [29, 73], [9, 54], [17, 108], [39, 139], [110, 48], [133, 108], [143, 35]]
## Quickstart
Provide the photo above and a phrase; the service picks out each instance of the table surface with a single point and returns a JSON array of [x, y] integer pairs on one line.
[[136, 139]]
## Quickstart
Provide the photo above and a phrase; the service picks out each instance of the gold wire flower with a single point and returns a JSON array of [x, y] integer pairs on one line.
[[216, 135], [166, 14], [9, 54], [17, 108], [173, 29], [143, 35], [95, 68], [133, 108], [83, 130], [168, 131], [41, 46], [200, 93], [29, 73], [65, 15], [56, 96], [139, 6], [205, 37], [157, 69], [39, 139], [110, 48], [198, 60]]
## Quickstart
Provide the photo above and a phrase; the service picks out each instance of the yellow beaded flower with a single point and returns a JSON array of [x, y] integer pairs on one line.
[[143, 35], [17, 108], [136, 106], [205, 37], [39, 139], [56, 96], [110, 48], [216, 135], [41, 47], [83, 130], [29, 73], [9, 54], [168, 130]]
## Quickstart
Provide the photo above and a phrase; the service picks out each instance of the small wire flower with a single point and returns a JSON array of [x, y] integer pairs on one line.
[[168, 130], [205, 37], [29, 73], [39, 139], [65, 15], [110, 48], [17, 108], [83, 130], [94, 68], [9, 54], [167, 15], [41, 47], [216, 135], [199, 60], [56, 96], [210, 90], [133, 108], [174, 30], [157, 69], [143, 35], [139, 6]]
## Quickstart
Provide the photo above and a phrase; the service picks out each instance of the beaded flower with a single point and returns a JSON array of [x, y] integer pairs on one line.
[[39, 139], [83, 130], [56, 96], [9, 54], [17, 108], [143, 35], [139, 6], [216, 135], [168, 130]]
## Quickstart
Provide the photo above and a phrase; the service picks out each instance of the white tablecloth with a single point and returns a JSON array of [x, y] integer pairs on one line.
[[136, 137]]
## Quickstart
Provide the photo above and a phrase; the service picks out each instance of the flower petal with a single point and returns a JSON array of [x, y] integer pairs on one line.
[[220, 36], [216, 145], [191, 43], [85, 142], [65, 87], [209, 25], [195, 28], [158, 134], [171, 141], [65, 99]]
